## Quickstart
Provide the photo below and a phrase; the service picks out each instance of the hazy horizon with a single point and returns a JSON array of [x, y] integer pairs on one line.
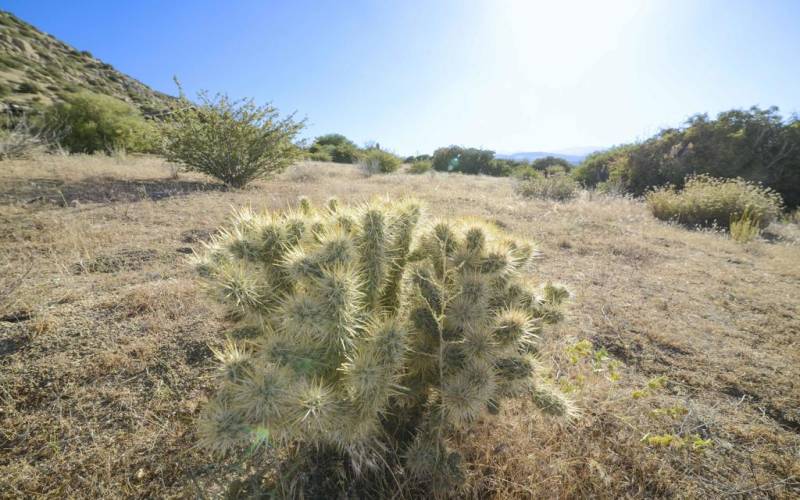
[[507, 76]]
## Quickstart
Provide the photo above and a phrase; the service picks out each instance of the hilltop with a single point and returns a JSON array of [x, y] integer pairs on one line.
[[37, 69]]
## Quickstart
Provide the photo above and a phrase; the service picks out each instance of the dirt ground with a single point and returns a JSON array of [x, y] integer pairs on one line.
[[680, 347]]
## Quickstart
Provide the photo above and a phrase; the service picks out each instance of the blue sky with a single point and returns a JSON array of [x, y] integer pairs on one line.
[[414, 75]]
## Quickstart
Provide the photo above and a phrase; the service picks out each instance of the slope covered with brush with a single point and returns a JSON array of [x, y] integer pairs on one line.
[[38, 69]]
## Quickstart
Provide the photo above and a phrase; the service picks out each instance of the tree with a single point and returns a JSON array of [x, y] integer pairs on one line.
[[541, 164], [333, 140], [468, 160], [757, 145], [233, 141]]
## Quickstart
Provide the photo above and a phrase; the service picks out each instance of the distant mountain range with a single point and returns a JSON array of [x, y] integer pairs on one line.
[[572, 155]]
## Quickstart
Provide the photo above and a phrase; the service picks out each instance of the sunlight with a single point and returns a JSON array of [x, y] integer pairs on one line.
[[537, 34]]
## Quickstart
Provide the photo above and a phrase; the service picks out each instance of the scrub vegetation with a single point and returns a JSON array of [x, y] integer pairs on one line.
[[676, 347], [196, 303]]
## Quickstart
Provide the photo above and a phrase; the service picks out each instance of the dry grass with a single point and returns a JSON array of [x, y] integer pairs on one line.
[[100, 387]]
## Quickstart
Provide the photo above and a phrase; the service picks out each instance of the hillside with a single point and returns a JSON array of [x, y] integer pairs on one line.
[[37, 69]]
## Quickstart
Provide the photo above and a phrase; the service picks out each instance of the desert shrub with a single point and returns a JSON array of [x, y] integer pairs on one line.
[[709, 201], [757, 145], [446, 159], [378, 161], [233, 141], [556, 170], [92, 122], [333, 140], [598, 166], [338, 147], [9, 61], [469, 161], [18, 140], [500, 168], [611, 187], [745, 227], [319, 155], [476, 161], [525, 172], [542, 164], [28, 88], [420, 167], [373, 342], [554, 187], [345, 153], [414, 159]]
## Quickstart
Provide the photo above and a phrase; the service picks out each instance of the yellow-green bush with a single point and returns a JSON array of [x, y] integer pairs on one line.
[[376, 161], [336, 148], [92, 122], [555, 187], [373, 340], [708, 201], [744, 228], [420, 167]]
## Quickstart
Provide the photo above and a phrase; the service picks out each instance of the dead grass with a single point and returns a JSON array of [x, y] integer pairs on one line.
[[100, 387]]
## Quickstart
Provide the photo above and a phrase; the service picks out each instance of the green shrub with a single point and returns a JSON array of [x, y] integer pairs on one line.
[[345, 153], [414, 159], [7, 61], [500, 168], [92, 122], [757, 145], [379, 161], [707, 201], [338, 147], [469, 161], [525, 172], [333, 140], [420, 167], [611, 187], [542, 164], [233, 141], [556, 170], [554, 187], [597, 167], [370, 341], [319, 155], [28, 88]]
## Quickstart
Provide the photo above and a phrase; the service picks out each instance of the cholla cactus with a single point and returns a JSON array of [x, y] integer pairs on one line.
[[474, 327], [370, 334]]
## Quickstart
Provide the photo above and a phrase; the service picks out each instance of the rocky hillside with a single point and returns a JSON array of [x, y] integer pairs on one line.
[[37, 69]]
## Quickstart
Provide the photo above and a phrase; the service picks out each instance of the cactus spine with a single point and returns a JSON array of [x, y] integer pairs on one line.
[[370, 333]]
